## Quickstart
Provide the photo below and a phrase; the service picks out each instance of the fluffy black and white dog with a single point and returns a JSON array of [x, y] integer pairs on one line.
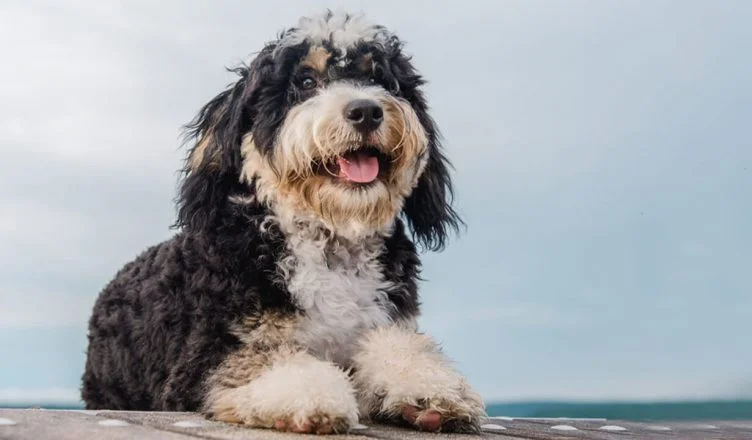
[[288, 299]]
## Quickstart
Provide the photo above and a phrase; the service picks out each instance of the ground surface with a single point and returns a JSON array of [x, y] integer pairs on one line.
[[83, 425]]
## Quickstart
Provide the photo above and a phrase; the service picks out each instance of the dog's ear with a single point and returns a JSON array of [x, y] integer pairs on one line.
[[428, 209], [212, 168]]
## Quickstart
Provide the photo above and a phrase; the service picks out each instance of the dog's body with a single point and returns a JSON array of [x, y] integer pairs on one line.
[[289, 299]]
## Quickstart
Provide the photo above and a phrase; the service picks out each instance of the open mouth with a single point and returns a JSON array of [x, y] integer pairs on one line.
[[360, 165]]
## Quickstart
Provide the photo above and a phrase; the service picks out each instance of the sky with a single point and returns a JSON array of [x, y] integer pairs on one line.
[[603, 165]]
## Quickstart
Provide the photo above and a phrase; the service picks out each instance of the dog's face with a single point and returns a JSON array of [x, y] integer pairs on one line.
[[340, 144], [326, 125]]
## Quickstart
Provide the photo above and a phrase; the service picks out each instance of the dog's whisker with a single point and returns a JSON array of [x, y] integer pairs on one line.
[[329, 171]]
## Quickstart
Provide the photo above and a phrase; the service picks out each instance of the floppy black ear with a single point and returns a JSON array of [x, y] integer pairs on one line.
[[212, 168], [428, 210]]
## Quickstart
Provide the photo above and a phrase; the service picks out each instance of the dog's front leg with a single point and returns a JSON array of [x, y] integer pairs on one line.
[[270, 382], [402, 377]]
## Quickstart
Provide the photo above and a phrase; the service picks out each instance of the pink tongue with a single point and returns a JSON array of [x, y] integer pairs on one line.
[[358, 167]]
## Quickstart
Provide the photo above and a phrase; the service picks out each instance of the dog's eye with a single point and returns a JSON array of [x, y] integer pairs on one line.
[[307, 83]]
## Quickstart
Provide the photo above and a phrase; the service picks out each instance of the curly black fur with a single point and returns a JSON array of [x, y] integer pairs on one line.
[[164, 322]]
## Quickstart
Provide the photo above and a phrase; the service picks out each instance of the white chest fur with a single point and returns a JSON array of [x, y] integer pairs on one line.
[[340, 289]]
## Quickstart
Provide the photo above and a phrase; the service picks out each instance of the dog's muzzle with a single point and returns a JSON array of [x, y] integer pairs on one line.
[[365, 115]]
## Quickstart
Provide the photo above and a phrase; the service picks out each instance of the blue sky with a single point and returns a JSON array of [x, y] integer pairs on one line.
[[603, 165]]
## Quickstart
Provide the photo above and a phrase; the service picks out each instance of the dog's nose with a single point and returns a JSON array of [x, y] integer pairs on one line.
[[365, 115]]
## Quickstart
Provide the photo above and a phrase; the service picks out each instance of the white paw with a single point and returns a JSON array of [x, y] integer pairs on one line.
[[402, 376], [298, 393]]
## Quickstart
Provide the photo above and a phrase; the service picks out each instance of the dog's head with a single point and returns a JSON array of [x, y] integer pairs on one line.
[[327, 124]]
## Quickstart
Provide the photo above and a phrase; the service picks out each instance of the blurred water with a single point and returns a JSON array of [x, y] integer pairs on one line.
[[695, 410]]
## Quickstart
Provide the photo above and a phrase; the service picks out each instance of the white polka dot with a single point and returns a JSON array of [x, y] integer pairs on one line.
[[359, 427], [613, 428], [658, 428], [508, 419], [6, 422], [492, 427], [701, 426], [188, 424], [564, 428], [113, 422]]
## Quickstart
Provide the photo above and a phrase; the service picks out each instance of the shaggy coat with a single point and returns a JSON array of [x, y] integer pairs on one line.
[[288, 298]]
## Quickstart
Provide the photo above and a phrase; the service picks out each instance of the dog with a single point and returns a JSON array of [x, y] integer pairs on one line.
[[288, 297]]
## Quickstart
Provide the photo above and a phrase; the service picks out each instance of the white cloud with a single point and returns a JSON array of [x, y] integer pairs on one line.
[[24, 396], [653, 387], [43, 309], [501, 315], [525, 314], [564, 122], [42, 240]]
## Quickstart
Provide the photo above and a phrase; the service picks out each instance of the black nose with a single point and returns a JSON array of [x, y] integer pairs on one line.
[[365, 115]]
